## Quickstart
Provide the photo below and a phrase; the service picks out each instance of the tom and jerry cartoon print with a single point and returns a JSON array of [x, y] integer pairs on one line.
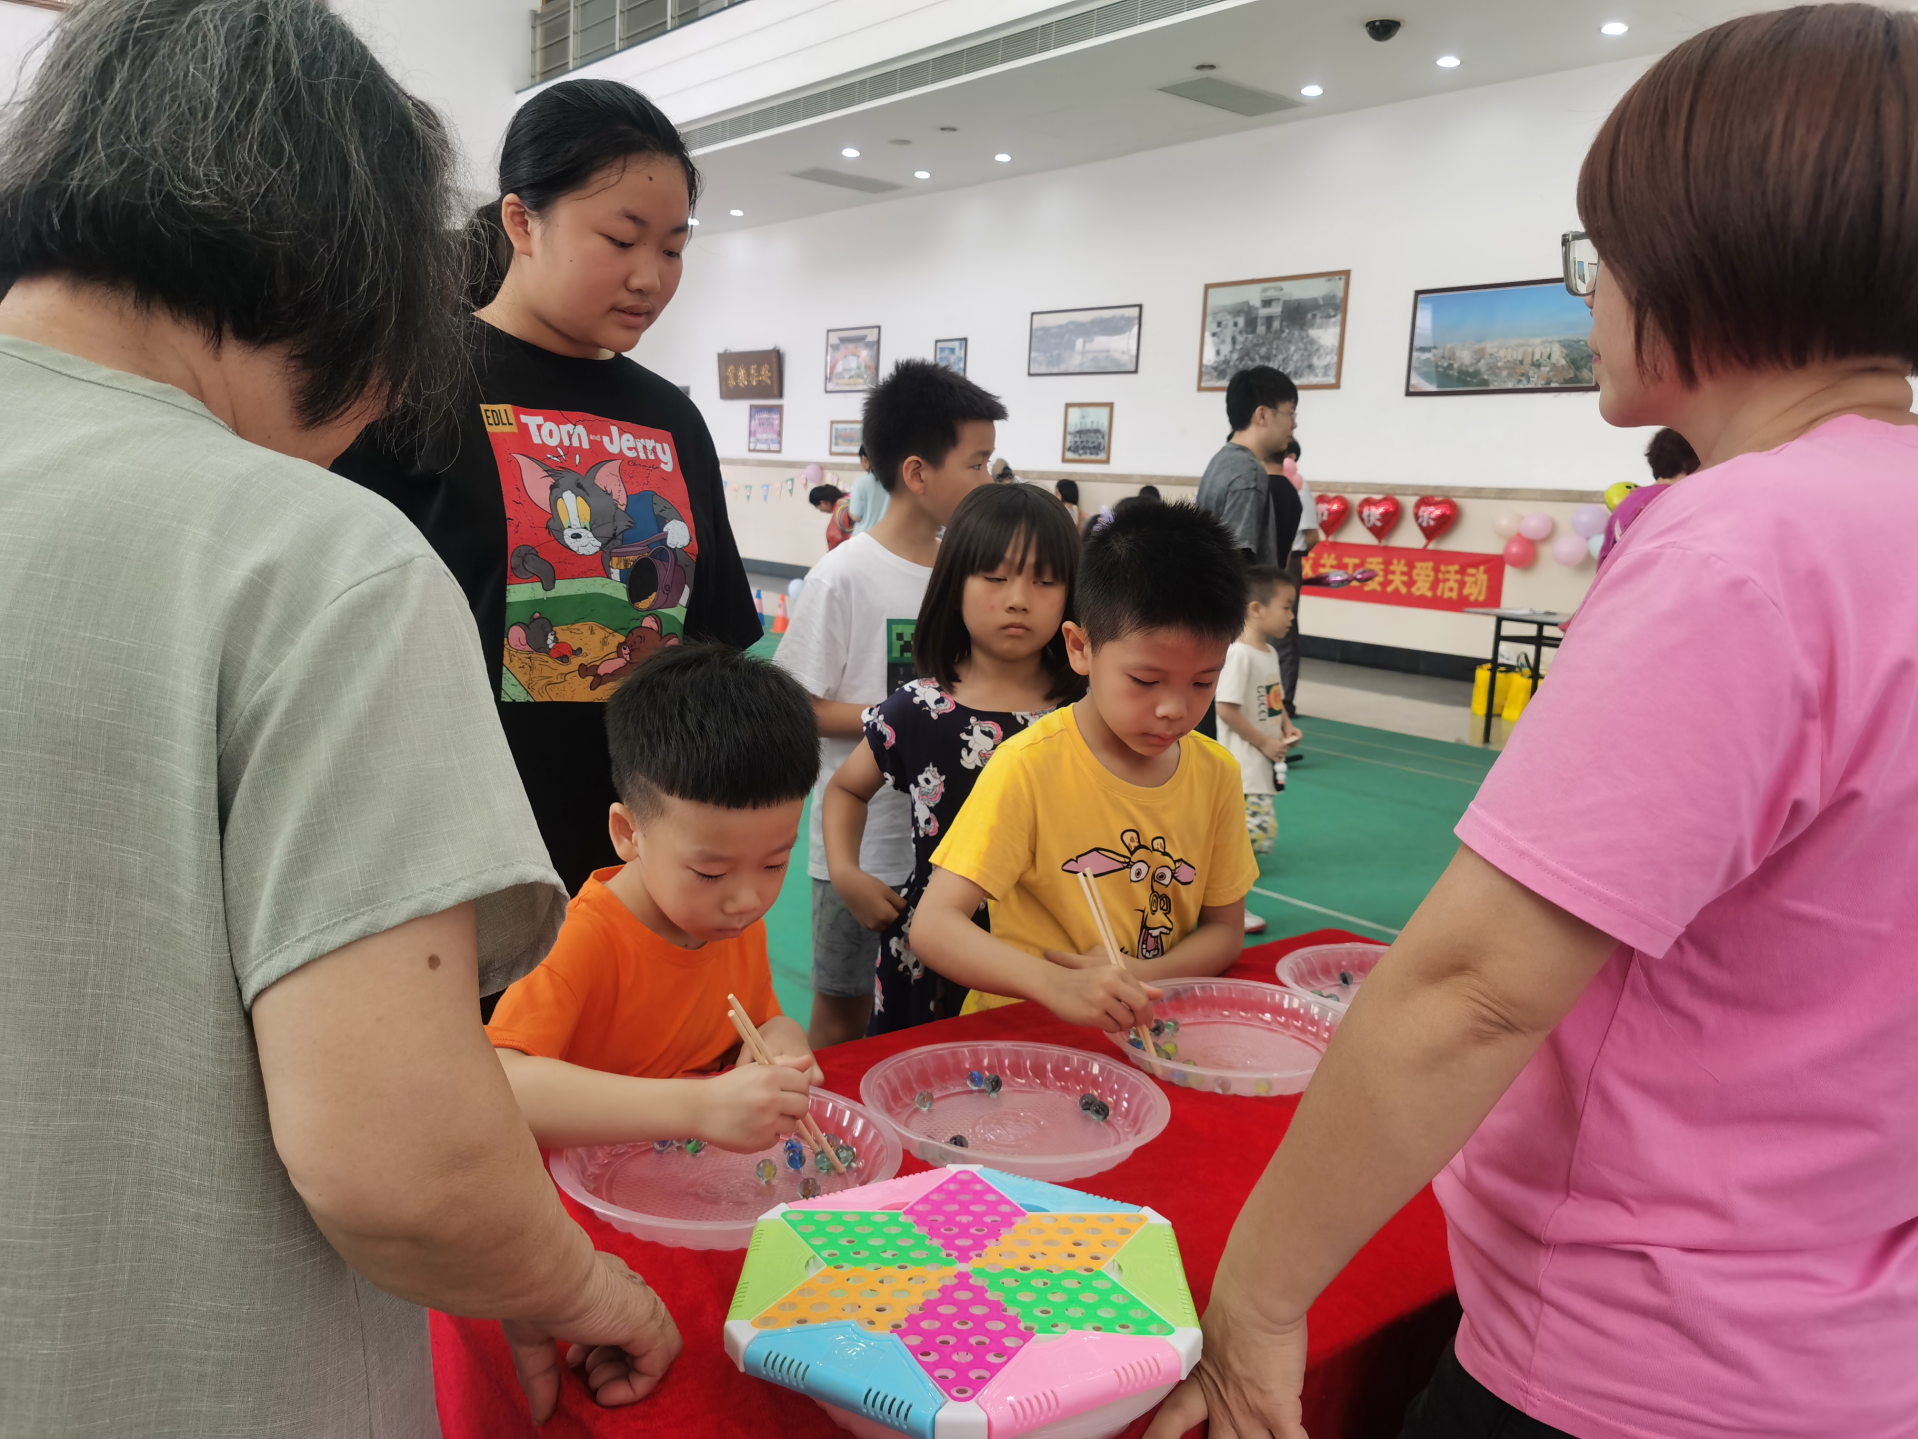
[[600, 549]]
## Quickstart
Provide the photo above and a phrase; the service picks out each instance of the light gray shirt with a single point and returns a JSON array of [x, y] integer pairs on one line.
[[1234, 491], [245, 723]]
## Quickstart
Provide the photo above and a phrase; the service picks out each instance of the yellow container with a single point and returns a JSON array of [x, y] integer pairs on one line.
[[1518, 697], [1501, 692]]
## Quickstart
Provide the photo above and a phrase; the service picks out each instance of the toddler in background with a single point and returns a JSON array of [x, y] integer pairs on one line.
[[991, 658], [1114, 787], [931, 433], [1252, 723], [712, 756]]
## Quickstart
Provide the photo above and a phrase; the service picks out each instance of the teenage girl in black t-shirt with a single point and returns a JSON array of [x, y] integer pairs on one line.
[[580, 504]]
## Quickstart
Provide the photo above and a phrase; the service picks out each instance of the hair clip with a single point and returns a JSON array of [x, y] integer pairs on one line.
[[1102, 519]]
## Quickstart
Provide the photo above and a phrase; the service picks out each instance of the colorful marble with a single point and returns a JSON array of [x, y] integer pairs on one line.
[[994, 1084], [975, 1080], [662, 1146], [922, 1101], [766, 1170], [1097, 1108], [795, 1155], [958, 1141], [694, 1146], [809, 1188]]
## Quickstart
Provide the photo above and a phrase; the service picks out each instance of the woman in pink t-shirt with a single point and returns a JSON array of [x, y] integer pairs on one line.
[[1658, 1022]]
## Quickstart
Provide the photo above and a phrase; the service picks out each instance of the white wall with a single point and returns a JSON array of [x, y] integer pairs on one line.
[[1473, 187], [466, 58], [23, 30]]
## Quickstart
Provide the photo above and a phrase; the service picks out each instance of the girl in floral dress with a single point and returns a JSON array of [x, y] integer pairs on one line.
[[991, 660]]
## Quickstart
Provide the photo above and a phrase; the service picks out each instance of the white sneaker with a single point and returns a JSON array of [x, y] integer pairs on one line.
[[1254, 923]]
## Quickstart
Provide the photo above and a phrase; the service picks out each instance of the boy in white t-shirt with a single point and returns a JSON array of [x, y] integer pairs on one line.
[[930, 433], [1252, 723]]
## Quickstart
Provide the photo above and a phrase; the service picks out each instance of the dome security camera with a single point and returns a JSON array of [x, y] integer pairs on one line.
[[1382, 30]]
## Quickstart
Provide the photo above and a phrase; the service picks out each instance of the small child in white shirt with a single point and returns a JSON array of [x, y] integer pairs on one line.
[[1252, 723]]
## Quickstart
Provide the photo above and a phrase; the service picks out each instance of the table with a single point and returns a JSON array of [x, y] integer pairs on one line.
[[1375, 1332], [1539, 620]]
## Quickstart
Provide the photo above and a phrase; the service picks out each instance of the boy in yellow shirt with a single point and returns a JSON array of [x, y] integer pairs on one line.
[[1115, 786], [620, 1033]]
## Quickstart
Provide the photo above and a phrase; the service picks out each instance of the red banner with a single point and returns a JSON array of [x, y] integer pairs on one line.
[[1422, 579]]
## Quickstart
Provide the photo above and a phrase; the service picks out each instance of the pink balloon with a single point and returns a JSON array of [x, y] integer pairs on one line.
[[1570, 551], [1537, 526], [1507, 523], [814, 475], [1588, 520], [1520, 553]]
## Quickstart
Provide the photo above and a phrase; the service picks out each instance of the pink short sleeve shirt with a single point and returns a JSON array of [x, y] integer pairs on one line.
[[1696, 1212]]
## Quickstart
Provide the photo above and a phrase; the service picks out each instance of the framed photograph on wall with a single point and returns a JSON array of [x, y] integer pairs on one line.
[[951, 354], [852, 359], [846, 437], [765, 428], [1085, 342], [1088, 435], [1524, 337], [1294, 323]]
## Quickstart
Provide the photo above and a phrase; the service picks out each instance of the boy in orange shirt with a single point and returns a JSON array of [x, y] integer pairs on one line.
[[713, 755]]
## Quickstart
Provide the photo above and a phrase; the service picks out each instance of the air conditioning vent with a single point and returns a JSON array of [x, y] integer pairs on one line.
[[1224, 95], [863, 183]]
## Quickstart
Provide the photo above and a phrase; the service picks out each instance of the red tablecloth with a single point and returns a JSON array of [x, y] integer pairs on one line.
[[1375, 1332]]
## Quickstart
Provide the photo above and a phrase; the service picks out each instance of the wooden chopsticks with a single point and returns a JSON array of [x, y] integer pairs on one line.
[[1104, 927], [752, 1044]]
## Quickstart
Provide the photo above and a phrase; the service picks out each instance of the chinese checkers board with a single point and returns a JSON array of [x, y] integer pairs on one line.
[[1421, 579], [963, 1303]]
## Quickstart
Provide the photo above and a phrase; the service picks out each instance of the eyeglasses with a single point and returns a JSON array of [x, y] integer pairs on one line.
[[1581, 262]]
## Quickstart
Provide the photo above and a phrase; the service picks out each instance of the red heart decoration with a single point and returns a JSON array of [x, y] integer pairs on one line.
[[1378, 513], [1433, 514], [1333, 510]]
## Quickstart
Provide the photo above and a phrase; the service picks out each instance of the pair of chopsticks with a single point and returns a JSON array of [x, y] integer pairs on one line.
[[1104, 927], [751, 1044]]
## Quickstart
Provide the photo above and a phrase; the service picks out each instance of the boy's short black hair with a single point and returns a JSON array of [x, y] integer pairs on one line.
[[1264, 581], [824, 494], [1671, 456], [917, 410], [1161, 567], [704, 722], [1246, 391]]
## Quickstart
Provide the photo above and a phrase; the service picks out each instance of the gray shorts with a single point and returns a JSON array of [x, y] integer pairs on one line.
[[845, 954]]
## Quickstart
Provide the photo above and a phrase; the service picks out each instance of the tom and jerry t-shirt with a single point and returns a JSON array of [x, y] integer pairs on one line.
[[614, 996], [583, 514], [1045, 809]]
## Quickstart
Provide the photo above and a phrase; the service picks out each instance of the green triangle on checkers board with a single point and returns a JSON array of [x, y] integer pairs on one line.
[[778, 1260], [866, 1237], [1148, 1264]]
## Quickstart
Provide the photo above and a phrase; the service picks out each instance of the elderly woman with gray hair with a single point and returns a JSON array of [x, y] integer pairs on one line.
[[264, 841]]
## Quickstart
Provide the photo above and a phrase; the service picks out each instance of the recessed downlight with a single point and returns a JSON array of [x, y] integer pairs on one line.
[[850, 153], [1613, 27], [922, 174], [693, 221], [1312, 92], [1448, 62], [1003, 158], [735, 213]]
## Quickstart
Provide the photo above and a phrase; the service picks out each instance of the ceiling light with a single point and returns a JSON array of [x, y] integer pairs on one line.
[[1312, 92], [735, 213], [922, 174], [693, 221], [1448, 62], [850, 153], [1613, 27], [1003, 158]]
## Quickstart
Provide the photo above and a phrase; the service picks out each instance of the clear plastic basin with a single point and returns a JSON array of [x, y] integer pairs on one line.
[[1236, 1036], [709, 1200], [1034, 1125], [1318, 971]]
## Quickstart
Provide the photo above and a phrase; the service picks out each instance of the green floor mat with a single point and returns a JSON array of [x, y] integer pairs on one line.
[[1365, 828]]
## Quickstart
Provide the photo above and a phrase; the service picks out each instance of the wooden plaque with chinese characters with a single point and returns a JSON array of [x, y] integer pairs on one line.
[[751, 375], [1420, 579]]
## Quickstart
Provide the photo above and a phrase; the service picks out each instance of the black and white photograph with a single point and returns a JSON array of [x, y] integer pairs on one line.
[[1088, 435], [1294, 323], [1085, 342]]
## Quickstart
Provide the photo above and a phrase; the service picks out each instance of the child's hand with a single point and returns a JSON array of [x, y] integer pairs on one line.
[[1089, 989], [872, 902], [796, 1055], [1293, 734], [1273, 746], [751, 1105]]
